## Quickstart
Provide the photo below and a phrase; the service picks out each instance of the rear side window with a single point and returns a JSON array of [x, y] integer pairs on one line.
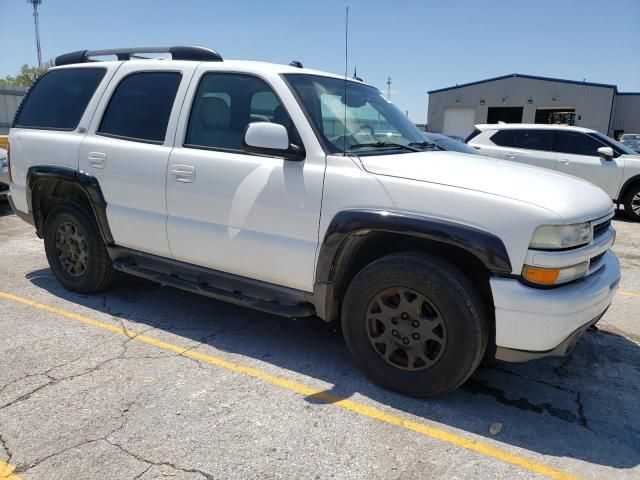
[[525, 139], [140, 107], [59, 98], [503, 138], [577, 143]]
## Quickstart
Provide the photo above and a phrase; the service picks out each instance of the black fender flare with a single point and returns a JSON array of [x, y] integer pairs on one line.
[[85, 182], [347, 225]]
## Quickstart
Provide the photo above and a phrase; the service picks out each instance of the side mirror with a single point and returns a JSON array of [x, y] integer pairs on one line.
[[264, 138], [606, 152]]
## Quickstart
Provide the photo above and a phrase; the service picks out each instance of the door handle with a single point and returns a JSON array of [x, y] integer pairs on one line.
[[183, 173], [565, 161], [510, 156], [97, 159]]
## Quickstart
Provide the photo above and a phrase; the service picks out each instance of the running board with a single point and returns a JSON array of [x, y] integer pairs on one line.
[[222, 286]]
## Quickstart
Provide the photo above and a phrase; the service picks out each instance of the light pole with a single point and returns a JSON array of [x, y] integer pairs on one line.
[[35, 4]]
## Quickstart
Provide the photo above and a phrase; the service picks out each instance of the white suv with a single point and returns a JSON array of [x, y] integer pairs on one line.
[[242, 181], [577, 151]]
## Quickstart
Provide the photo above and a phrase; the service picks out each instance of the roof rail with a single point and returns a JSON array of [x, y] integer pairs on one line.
[[177, 53]]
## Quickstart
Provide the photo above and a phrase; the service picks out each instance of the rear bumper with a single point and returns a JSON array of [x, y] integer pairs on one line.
[[534, 323]]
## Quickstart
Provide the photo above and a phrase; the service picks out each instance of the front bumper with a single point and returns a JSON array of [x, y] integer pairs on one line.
[[534, 323]]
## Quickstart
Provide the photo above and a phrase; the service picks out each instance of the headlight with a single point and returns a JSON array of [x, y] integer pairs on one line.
[[553, 237], [554, 276]]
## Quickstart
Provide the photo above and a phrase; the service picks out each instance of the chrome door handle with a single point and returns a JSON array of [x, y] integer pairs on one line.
[[183, 173], [97, 159], [565, 161], [510, 156]]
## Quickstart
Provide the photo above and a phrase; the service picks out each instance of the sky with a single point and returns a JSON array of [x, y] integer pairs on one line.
[[421, 44]]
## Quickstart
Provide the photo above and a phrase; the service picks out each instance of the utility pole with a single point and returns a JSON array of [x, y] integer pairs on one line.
[[35, 4], [389, 88]]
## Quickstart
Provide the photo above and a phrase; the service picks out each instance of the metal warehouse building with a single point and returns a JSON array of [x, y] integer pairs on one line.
[[520, 98], [10, 98]]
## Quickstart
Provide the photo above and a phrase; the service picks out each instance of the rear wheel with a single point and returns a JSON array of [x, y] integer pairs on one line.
[[632, 203], [414, 324], [75, 250]]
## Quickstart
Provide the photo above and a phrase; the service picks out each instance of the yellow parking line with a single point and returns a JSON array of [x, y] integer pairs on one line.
[[628, 294], [299, 388], [6, 471]]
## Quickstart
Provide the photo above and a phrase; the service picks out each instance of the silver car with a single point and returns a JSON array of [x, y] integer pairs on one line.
[[4, 174]]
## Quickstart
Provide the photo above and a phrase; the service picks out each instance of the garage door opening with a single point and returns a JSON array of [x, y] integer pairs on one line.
[[459, 121], [504, 114], [556, 116]]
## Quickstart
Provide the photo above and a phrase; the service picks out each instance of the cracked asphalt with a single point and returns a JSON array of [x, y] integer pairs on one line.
[[81, 401]]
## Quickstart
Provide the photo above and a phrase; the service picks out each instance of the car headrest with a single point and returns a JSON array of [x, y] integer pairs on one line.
[[215, 113]]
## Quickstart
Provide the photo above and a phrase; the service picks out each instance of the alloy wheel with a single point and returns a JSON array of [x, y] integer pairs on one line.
[[406, 329], [72, 249]]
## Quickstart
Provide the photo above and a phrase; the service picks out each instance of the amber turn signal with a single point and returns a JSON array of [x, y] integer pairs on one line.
[[541, 276]]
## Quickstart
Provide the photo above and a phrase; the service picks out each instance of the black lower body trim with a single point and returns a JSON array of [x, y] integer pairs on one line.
[[563, 349], [275, 299]]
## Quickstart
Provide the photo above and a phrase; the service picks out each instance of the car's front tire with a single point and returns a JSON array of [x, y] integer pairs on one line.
[[414, 324], [632, 203], [75, 249]]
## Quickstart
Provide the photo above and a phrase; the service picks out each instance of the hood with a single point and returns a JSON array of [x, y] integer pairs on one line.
[[571, 198]]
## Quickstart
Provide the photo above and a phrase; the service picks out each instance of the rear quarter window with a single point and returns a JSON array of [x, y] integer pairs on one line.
[[140, 106], [59, 98]]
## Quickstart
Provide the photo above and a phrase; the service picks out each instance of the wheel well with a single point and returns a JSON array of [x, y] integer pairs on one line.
[[47, 193], [365, 249], [629, 185]]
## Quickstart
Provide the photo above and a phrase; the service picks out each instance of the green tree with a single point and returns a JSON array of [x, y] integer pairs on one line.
[[27, 76]]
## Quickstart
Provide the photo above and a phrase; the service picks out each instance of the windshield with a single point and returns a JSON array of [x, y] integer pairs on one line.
[[450, 144], [613, 143], [373, 125]]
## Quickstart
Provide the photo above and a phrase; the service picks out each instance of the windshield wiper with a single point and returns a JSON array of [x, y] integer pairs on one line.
[[383, 145], [426, 144]]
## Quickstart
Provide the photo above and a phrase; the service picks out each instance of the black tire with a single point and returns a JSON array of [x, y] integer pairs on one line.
[[632, 202], [443, 293], [95, 271]]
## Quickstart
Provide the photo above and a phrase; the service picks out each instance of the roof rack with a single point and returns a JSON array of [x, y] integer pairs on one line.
[[201, 54]]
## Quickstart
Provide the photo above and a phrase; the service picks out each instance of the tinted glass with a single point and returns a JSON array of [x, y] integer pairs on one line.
[[533, 139], [59, 98], [504, 138], [225, 104], [140, 107], [577, 143], [525, 139]]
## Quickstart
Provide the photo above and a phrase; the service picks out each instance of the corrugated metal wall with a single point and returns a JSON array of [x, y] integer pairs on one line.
[[626, 113], [592, 103], [10, 98]]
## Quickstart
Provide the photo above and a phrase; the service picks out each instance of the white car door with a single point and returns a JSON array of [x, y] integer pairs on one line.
[[249, 215], [578, 156], [529, 146], [127, 149]]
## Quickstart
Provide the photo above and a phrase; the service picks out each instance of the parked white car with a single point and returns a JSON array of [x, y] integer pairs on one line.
[[4, 174], [576, 151], [241, 181]]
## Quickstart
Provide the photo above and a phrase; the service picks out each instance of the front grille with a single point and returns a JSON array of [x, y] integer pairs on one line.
[[601, 228]]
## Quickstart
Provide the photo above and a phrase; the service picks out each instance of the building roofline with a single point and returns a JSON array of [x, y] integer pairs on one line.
[[531, 77]]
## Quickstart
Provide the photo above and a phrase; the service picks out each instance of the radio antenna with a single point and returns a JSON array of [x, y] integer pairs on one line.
[[346, 72]]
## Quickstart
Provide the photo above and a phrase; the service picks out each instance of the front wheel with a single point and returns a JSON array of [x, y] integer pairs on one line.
[[414, 324], [632, 203], [75, 249]]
